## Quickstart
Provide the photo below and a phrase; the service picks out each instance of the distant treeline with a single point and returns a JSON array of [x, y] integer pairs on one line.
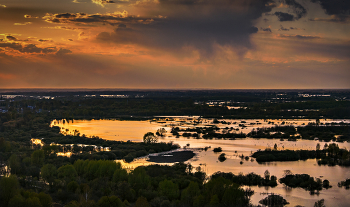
[[254, 104], [325, 132]]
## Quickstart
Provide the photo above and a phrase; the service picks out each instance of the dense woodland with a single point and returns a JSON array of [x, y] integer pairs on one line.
[[90, 177]]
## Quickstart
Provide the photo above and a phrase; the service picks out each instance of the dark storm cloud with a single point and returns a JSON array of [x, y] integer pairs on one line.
[[295, 28], [82, 18], [284, 16], [266, 29], [334, 18], [29, 48], [195, 23], [340, 9], [335, 7], [283, 28], [11, 38], [301, 37], [287, 29], [297, 8]]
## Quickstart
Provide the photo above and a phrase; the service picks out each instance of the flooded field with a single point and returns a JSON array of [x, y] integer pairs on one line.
[[208, 160]]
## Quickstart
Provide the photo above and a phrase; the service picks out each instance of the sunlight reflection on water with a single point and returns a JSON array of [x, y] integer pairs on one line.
[[208, 160]]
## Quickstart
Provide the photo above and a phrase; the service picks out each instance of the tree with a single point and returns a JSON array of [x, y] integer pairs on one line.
[[222, 157], [8, 189], [15, 164], [48, 173], [234, 196], [50, 149], [267, 175], [110, 201], [120, 175], [169, 189], [318, 147], [67, 172], [149, 138], [275, 147], [319, 203], [38, 157], [17, 201], [142, 202], [45, 199], [161, 132], [188, 194], [33, 202]]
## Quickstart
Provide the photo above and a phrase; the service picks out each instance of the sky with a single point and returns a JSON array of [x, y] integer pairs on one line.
[[175, 44]]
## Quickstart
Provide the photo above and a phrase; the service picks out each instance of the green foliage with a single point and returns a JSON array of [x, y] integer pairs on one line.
[[169, 189], [92, 169], [9, 187], [14, 164], [234, 196], [17, 201], [50, 149], [67, 172], [72, 186], [188, 194], [120, 175], [45, 199], [38, 157], [214, 201], [110, 201], [49, 173], [142, 202], [5, 146], [199, 201], [139, 179], [33, 202]]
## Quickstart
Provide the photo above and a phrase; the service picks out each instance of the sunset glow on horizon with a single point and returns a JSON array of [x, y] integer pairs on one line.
[[177, 44]]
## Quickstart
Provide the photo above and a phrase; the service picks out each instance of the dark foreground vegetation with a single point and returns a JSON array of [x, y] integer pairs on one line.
[[330, 155], [105, 183]]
